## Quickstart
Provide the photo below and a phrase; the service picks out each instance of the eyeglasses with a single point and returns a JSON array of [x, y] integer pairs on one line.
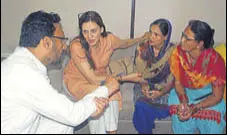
[[63, 39], [186, 37]]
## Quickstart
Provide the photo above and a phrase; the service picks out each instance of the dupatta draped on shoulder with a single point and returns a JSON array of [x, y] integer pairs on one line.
[[155, 68], [209, 67]]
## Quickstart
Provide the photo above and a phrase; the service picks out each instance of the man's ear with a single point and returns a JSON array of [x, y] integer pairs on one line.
[[47, 43]]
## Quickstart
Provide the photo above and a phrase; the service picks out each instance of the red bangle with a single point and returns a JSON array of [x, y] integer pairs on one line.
[[183, 97]]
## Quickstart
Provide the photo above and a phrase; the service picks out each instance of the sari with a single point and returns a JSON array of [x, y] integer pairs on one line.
[[157, 72], [196, 79], [221, 49]]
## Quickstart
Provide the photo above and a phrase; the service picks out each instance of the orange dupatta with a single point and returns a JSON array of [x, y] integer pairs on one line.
[[208, 68]]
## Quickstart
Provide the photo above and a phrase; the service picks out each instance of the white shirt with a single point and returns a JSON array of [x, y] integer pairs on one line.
[[27, 97]]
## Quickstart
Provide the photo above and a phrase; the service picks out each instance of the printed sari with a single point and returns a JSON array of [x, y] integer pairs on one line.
[[221, 49], [196, 79]]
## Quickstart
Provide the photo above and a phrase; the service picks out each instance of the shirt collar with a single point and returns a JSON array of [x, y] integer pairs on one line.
[[40, 66]]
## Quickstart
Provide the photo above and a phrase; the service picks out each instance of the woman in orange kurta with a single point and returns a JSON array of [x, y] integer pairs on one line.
[[88, 67]]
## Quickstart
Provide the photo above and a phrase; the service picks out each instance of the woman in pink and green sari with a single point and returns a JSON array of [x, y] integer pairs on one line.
[[196, 102]]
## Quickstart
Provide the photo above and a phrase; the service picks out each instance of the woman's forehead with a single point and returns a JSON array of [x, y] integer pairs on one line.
[[155, 28], [89, 25], [188, 31]]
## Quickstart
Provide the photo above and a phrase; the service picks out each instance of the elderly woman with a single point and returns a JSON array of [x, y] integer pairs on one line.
[[196, 102], [152, 61]]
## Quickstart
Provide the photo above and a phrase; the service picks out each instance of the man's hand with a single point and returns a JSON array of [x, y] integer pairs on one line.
[[112, 84], [101, 104]]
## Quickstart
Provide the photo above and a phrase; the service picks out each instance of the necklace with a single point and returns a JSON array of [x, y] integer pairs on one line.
[[191, 60]]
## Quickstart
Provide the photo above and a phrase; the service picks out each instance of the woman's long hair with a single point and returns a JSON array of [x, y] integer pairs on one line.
[[87, 17]]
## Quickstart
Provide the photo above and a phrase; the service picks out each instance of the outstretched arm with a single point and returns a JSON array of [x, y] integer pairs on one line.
[[125, 43]]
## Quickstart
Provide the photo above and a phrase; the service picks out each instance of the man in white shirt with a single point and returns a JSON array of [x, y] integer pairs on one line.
[[27, 98]]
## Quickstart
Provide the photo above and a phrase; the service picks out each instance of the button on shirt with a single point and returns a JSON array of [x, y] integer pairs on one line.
[[27, 97]]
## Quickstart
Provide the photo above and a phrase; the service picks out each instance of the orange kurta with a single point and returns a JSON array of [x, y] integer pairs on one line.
[[74, 80]]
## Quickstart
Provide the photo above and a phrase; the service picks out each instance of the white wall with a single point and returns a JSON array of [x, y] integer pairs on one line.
[[116, 15], [179, 12]]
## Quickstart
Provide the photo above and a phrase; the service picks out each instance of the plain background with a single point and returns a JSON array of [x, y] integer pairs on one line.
[[116, 15]]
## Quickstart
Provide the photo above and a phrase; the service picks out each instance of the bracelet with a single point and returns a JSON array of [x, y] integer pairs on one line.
[[120, 75], [183, 97]]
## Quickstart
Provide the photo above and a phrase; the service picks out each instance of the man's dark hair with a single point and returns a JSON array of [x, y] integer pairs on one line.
[[36, 26]]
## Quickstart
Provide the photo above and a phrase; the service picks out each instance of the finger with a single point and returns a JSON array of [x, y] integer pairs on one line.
[[181, 116], [153, 96], [148, 94], [144, 81], [144, 90], [100, 102], [139, 75], [185, 116], [98, 108], [105, 101], [108, 78], [152, 92]]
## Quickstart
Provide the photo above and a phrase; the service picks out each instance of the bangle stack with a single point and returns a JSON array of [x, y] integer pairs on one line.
[[183, 98]]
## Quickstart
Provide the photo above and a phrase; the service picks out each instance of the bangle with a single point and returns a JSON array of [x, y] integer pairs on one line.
[[183, 97], [120, 76]]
